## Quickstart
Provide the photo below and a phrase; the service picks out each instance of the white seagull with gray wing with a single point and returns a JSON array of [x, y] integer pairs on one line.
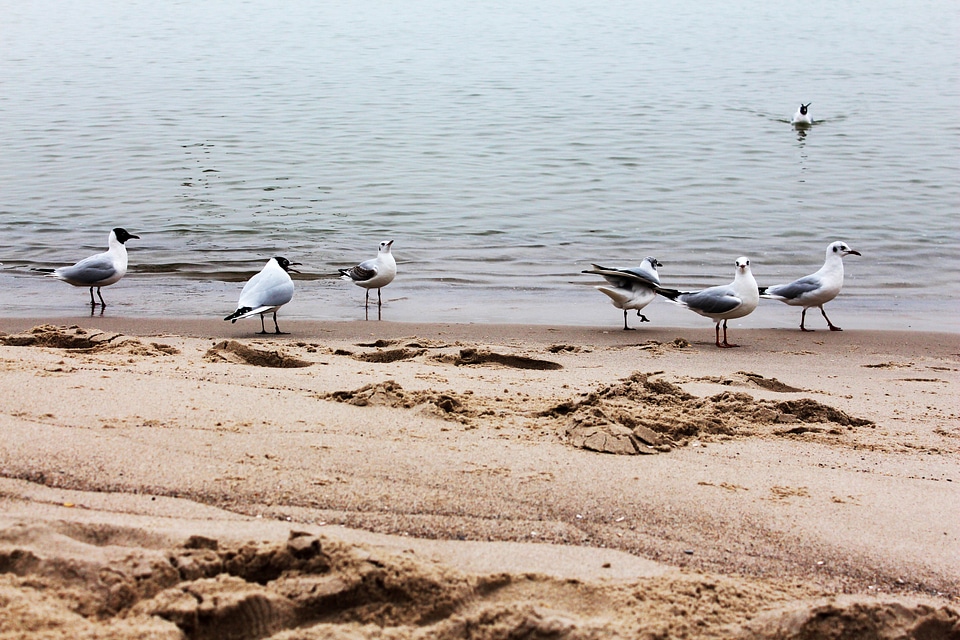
[[818, 288], [100, 270], [374, 273], [724, 302], [632, 288]]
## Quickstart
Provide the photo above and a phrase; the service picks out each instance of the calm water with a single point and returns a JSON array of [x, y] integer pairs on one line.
[[502, 145]]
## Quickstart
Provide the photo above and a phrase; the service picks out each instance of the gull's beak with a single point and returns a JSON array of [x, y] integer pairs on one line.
[[290, 267], [852, 252]]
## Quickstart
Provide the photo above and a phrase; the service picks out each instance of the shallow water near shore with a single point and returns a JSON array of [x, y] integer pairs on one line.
[[503, 148]]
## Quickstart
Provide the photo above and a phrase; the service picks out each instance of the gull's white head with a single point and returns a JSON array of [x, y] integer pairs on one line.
[[841, 249], [385, 246], [743, 265]]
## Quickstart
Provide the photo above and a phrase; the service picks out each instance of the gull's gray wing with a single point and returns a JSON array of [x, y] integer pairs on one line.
[[89, 270], [795, 289], [719, 300], [363, 271], [622, 277]]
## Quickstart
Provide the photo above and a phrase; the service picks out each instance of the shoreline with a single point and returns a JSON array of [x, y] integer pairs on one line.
[[503, 449]]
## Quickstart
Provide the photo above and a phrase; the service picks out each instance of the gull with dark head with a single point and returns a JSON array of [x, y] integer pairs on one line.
[[100, 270], [265, 292], [630, 288], [818, 288], [802, 116], [721, 303], [374, 273]]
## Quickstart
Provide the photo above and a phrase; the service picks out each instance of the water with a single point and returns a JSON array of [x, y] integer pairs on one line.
[[503, 146]]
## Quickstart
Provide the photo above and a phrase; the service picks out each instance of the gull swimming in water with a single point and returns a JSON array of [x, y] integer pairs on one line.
[[100, 270], [802, 116], [265, 292], [818, 288], [724, 302], [374, 273], [630, 288]]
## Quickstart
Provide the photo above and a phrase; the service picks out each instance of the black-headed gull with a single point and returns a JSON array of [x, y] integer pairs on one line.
[[630, 288], [265, 292], [802, 116], [374, 273], [722, 303], [818, 288], [100, 270]]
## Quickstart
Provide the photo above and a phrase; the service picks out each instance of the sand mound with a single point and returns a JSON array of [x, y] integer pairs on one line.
[[448, 405], [389, 355], [471, 356], [81, 340], [643, 414], [852, 619], [237, 353]]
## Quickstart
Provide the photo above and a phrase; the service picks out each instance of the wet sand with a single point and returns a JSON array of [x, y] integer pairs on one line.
[[169, 478]]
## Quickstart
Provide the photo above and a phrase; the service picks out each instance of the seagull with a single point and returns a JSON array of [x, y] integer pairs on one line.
[[630, 288], [374, 273], [265, 292], [801, 116], [725, 302], [100, 270], [818, 288]]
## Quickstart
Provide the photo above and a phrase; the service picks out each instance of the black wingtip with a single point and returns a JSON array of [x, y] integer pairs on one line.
[[236, 314], [762, 290], [671, 294]]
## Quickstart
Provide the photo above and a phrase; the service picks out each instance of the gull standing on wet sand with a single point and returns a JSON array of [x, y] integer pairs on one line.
[[265, 292], [722, 303], [374, 273], [818, 288], [100, 270], [630, 288]]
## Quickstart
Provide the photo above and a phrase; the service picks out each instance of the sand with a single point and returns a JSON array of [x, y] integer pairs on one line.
[[189, 479]]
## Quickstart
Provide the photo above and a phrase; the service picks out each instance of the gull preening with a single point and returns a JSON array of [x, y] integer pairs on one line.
[[100, 270], [265, 292], [630, 288], [818, 288], [802, 116], [374, 273], [724, 302]]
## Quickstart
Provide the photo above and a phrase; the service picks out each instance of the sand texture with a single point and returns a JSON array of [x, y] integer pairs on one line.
[[188, 479]]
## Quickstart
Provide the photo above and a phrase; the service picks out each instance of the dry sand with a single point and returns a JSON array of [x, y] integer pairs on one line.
[[170, 479]]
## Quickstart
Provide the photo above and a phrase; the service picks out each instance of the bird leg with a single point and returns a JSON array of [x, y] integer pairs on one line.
[[803, 316], [263, 329], [278, 332], [642, 317], [366, 299], [832, 326], [100, 295], [725, 345], [379, 299], [625, 327]]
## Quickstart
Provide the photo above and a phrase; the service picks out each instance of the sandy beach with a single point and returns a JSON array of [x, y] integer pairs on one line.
[[190, 479]]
